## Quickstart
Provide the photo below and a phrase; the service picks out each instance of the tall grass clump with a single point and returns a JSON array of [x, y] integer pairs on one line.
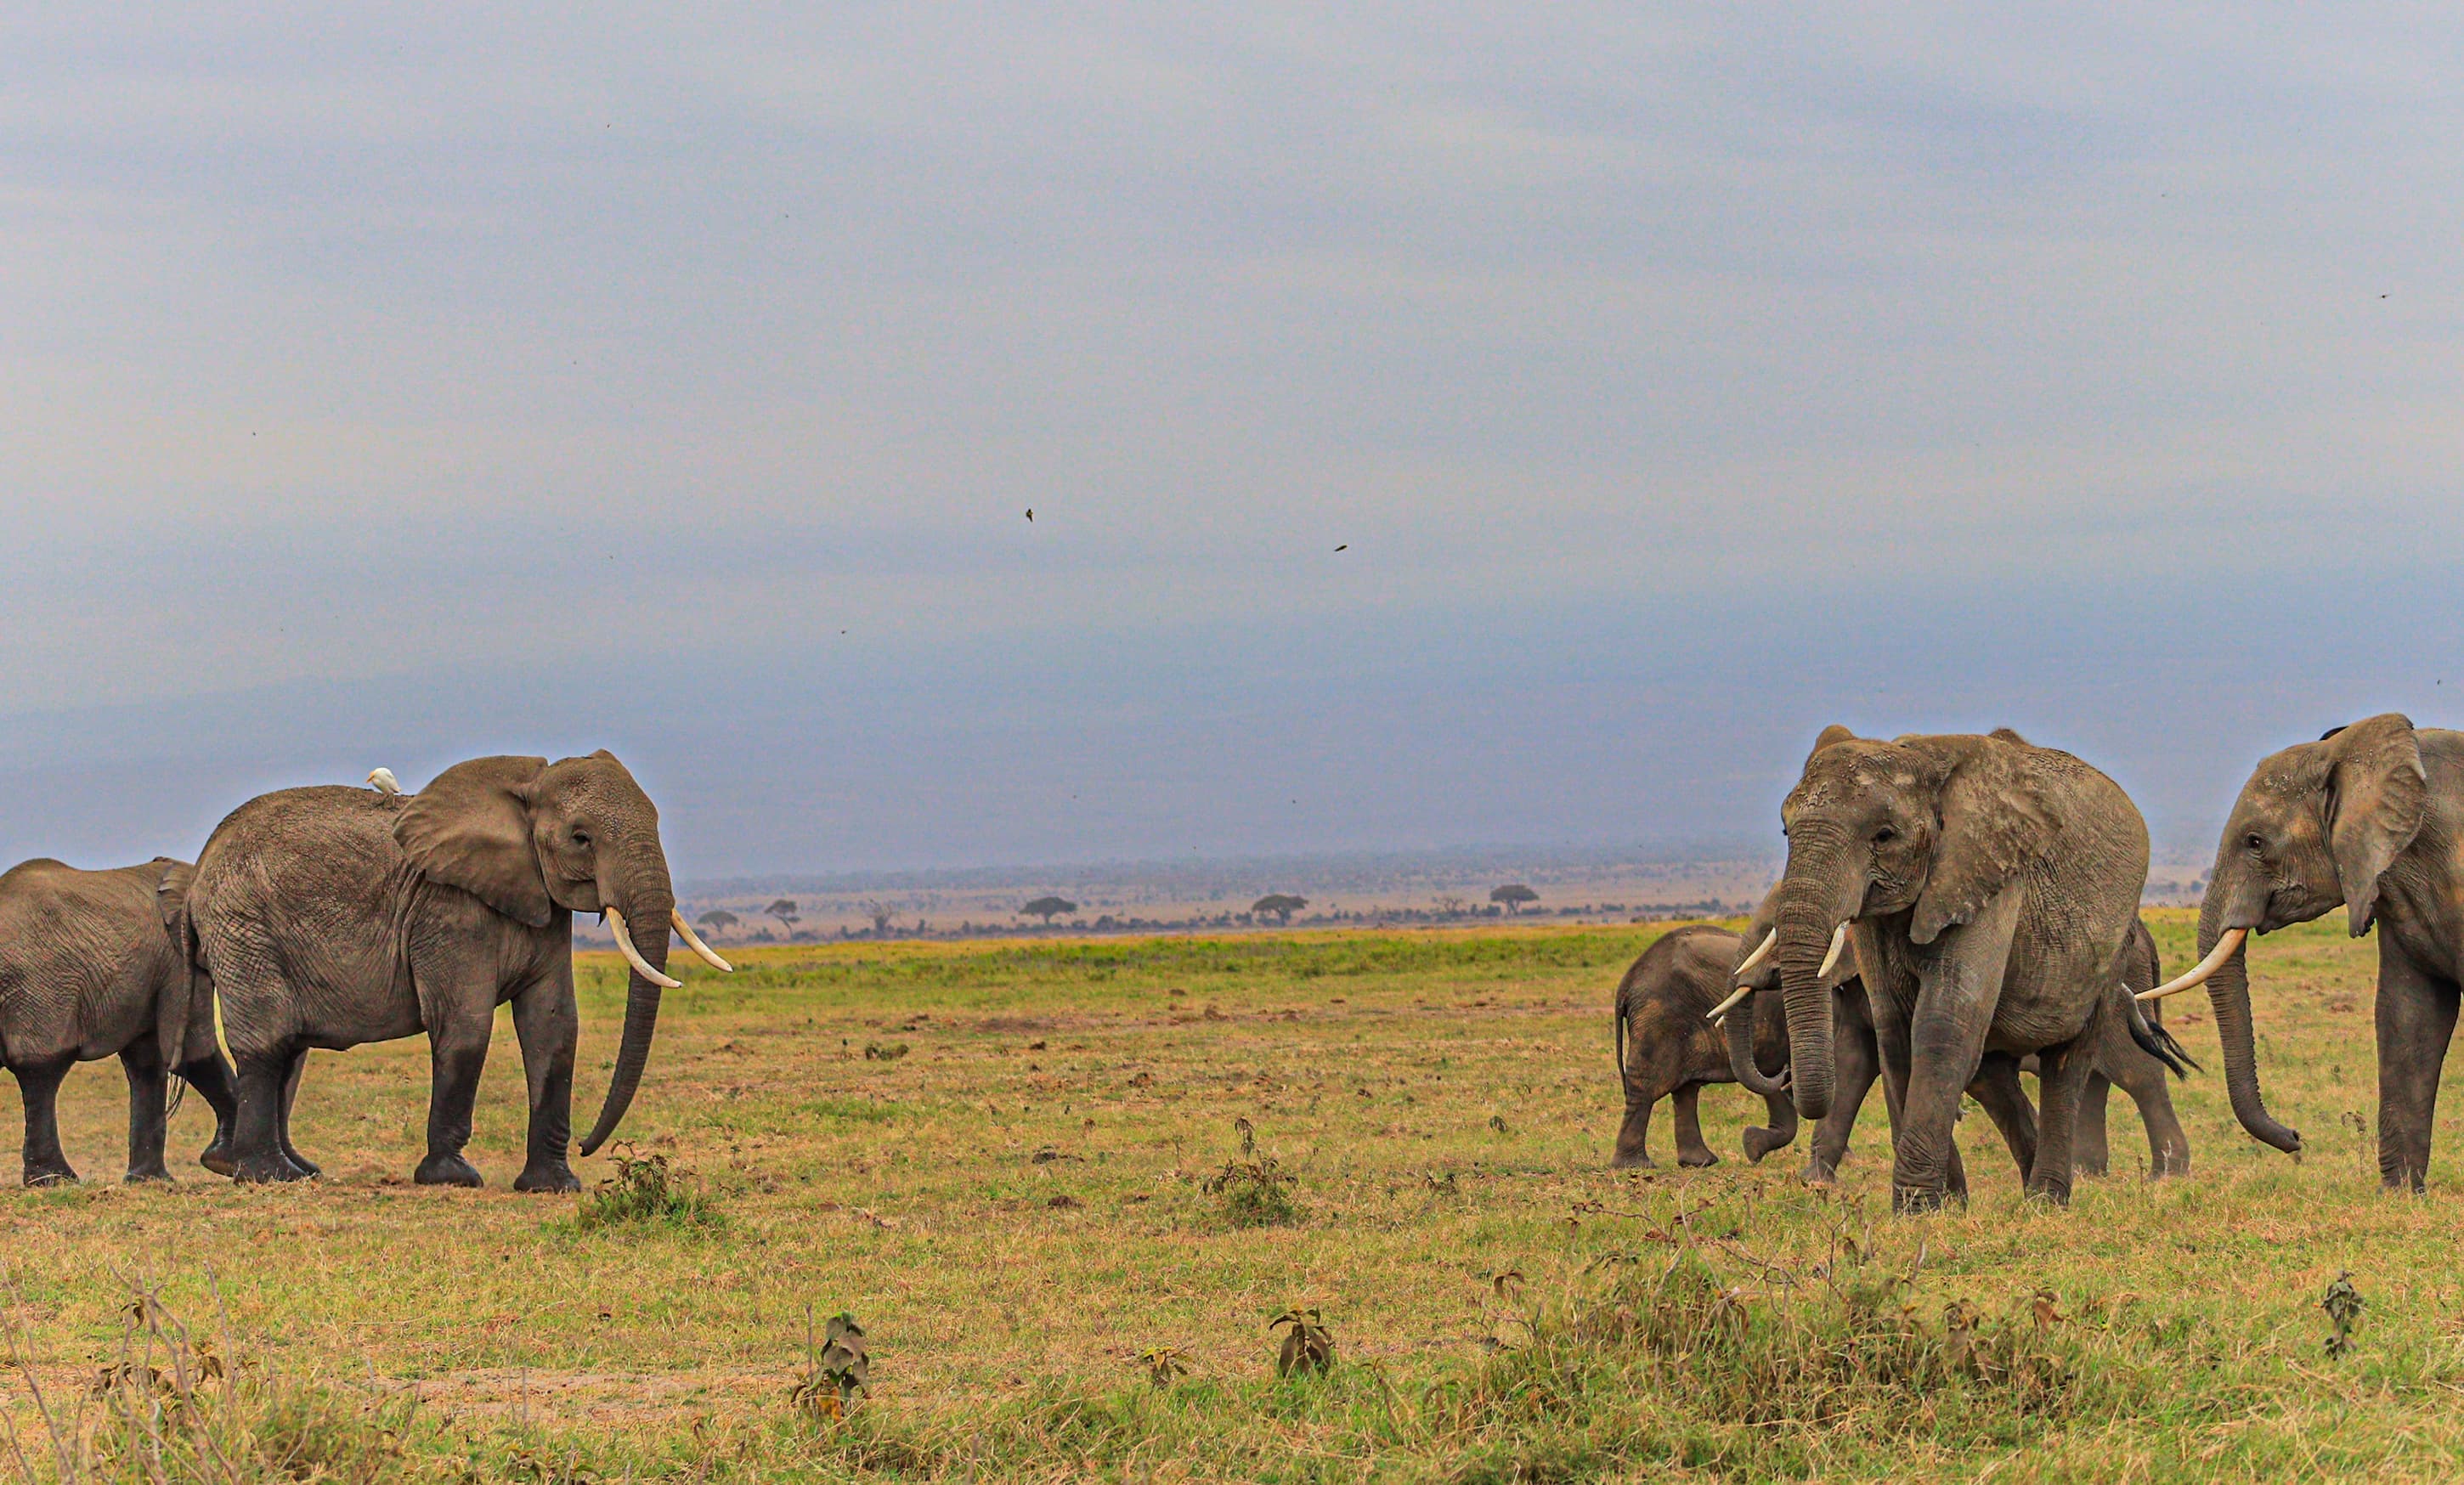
[[647, 1191]]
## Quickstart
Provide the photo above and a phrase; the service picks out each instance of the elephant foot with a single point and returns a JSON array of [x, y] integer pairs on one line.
[[1818, 1173], [2053, 1193], [1761, 1142], [447, 1170], [155, 1175], [557, 1177], [2093, 1170], [1697, 1160], [51, 1175], [217, 1158], [266, 1169], [1920, 1200], [305, 1165], [1631, 1160]]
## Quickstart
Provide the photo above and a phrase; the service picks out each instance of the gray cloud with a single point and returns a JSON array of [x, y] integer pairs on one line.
[[395, 359]]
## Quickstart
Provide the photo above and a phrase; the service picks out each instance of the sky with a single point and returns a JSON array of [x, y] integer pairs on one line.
[[1444, 424]]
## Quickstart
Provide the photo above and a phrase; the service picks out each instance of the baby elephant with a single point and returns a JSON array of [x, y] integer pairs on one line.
[[1666, 1047], [89, 971], [1673, 1049]]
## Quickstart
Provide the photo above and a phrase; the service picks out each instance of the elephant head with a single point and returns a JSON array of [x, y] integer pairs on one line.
[[528, 837], [1931, 827], [2318, 825]]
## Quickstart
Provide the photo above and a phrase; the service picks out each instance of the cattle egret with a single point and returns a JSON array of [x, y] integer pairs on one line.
[[382, 782]]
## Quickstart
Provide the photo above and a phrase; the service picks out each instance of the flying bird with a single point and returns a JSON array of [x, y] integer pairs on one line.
[[382, 782], [1347, 546], [1031, 513]]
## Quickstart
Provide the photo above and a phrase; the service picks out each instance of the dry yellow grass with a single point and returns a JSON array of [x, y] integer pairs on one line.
[[1014, 1209]]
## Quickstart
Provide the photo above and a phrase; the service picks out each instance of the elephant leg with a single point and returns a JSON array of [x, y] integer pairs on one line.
[[1856, 1063], [290, 1099], [214, 1084], [38, 1088], [548, 1028], [457, 1051], [1944, 1050], [1634, 1135], [1996, 1087], [1761, 1140], [2142, 1078], [148, 1085], [256, 1128], [2415, 1017], [2061, 1083], [1691, 1151], [2089, 1155]]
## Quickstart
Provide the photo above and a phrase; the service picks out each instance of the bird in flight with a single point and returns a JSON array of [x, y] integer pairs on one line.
[[382, 782], [1345, 547], [1031, 513]]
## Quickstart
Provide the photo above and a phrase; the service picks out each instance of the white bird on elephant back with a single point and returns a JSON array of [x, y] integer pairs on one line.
[[382, 782]]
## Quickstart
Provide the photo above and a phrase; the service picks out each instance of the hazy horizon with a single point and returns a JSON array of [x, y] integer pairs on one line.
[[1440, 427]]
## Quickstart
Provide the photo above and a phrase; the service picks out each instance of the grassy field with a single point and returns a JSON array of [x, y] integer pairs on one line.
[[1007, 1161]]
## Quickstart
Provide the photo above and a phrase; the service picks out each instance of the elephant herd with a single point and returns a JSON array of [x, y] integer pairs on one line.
[[1955, 908], [325, 917]]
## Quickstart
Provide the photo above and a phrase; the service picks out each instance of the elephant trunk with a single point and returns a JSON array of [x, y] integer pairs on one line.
[[1807, 919], [2228, 992], [1740, 1029], [647, 909]]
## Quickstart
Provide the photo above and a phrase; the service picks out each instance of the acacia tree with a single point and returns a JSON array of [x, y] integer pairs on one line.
[[879, 912], [1280, 903], [1514, 896], [784, 909], [1048, 908], [719, 921]]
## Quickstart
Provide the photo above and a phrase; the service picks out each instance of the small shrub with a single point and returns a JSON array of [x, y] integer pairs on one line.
[[1309, 1346], [836, 1375], [1255, 1192], [645, 1191]]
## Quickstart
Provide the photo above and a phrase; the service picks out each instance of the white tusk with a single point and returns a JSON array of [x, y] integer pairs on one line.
[[633, 956], [1762, 952], [2230, 941], [222, 1038], [1730, 1004], [1839, 947], [692, 941]]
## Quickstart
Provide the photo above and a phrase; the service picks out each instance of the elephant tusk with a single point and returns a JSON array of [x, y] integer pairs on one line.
[[221, 1038], [692, 941], [1730, 1004], [1762, 952], [633, 956], [1839, 947], [2198, 974]]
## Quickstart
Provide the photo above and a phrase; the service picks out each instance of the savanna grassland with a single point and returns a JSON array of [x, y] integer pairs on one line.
[[1009, 1163]]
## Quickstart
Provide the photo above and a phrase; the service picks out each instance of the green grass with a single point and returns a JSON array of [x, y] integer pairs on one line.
[[1018, 1212]]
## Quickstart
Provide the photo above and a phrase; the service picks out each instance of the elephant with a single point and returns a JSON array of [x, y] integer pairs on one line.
[[328, 916], [2118, 1059], [2366, 818], [88, 970], [1672, 1049], [1988, 888]]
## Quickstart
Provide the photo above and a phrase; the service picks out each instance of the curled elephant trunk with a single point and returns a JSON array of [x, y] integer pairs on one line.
[[645, 938], [2227, 985], [1740, 1029]]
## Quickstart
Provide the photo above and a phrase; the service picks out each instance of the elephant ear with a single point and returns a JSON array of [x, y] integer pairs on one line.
[[1995, 820], [471, 828], [171, 898], [2376, 798], [1833, 734]]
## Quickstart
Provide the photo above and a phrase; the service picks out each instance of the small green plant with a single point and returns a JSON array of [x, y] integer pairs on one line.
[[1309, 1346], [884, 1051], [1163, 1364], [645, 1191], [835, 1376], [2344, 1306], [1255, 1192]]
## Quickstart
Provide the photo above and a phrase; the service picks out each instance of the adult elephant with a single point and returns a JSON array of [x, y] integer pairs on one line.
[[1990, 886], [329, 916], [2118, 1058], [2366, 817], [88, 972]]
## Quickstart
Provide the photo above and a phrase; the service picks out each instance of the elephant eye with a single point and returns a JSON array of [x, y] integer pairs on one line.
[[2255, 841], [582, 838], [1885, 835]]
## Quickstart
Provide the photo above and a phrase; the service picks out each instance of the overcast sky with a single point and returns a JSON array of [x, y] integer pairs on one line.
[[397, 388]]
